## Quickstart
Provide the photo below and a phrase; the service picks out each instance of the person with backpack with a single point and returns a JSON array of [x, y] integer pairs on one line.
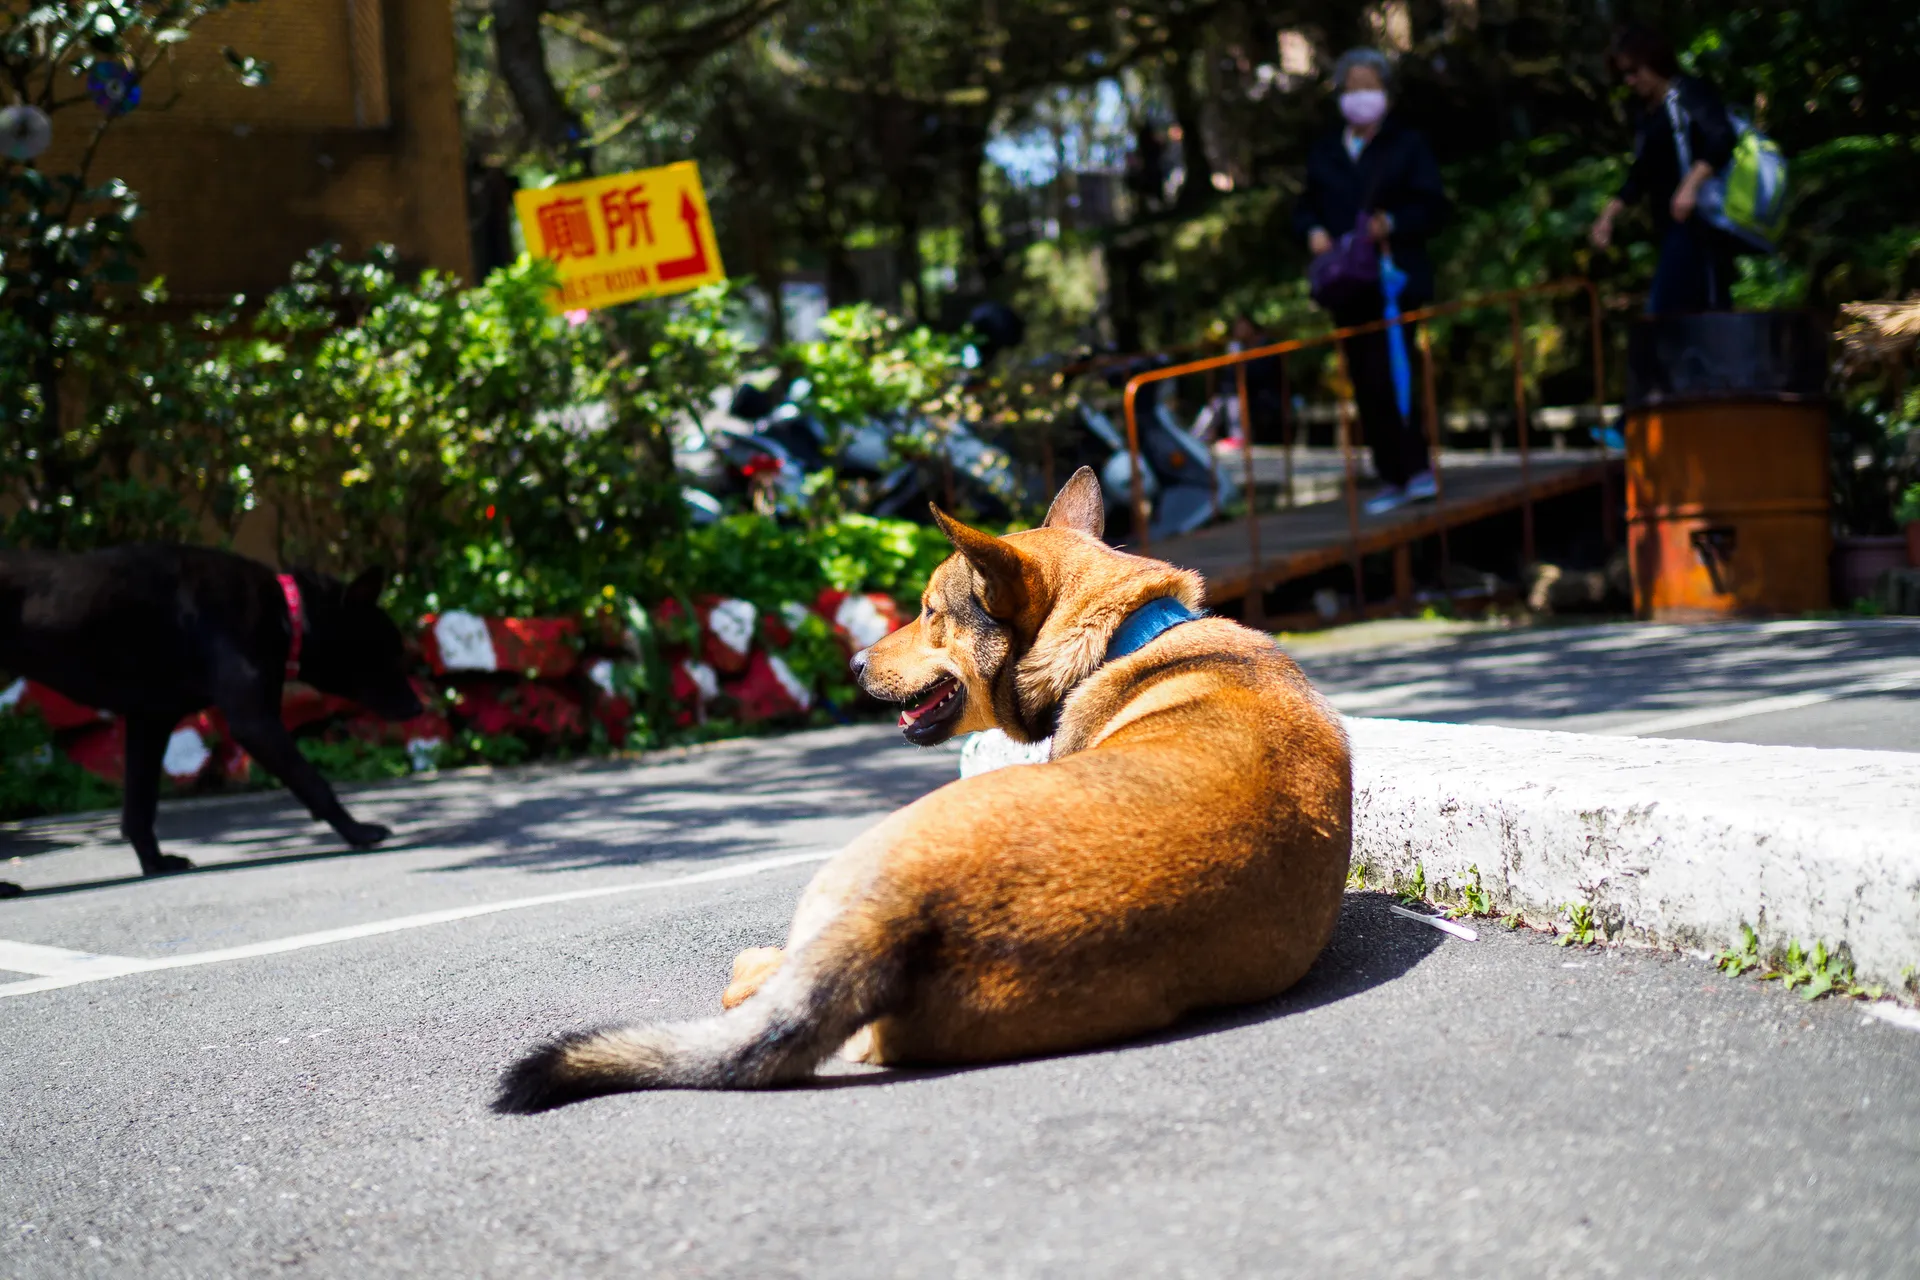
[[1683, 137], [1373, 179]]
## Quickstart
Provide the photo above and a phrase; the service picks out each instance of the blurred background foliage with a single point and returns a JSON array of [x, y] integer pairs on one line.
[[1123, 175], [953, 150]]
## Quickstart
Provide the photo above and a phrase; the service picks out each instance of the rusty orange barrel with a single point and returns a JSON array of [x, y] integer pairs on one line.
[[1727, 491]]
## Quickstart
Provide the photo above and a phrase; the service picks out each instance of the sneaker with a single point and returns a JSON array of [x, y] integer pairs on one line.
[[1422, 488], [1390, 498]]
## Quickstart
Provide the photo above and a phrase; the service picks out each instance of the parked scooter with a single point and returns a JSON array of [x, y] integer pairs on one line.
[[777, 446], [1184, 488]]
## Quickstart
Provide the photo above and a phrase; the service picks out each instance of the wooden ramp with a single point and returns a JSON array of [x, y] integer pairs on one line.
[[1313, 538]]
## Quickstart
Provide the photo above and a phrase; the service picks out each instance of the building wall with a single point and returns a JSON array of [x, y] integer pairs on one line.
[[356, 139]]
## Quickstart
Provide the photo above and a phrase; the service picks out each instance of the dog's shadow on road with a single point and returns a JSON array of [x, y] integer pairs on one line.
[[1371, 947]]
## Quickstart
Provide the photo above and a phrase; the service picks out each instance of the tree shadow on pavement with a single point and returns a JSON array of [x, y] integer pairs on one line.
[[719, 803], [206, 869], [629, 819], [1547, 673]]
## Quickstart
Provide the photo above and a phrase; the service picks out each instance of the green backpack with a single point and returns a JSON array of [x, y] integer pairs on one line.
[[1748, 197]]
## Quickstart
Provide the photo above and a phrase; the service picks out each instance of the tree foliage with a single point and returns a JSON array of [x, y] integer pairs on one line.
[[828, 132]]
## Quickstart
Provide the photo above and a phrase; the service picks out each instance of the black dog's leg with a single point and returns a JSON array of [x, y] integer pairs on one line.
[[146, 749], [268, 741]]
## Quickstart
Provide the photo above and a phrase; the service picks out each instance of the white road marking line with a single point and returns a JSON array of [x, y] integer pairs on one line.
[[1898, 1015], [74, 973], [1698, 716], [57, 962]]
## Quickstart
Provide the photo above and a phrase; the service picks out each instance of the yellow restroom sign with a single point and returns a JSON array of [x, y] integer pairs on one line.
[[632, 235]]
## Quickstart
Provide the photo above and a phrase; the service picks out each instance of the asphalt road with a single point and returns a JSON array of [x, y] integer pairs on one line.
[[1797, 684], [285, 1104]]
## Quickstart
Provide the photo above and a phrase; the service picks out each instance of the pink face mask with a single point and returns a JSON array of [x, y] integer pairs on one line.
[[1363, 107]]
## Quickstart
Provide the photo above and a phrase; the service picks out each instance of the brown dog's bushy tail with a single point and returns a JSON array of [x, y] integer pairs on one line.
[[826, 991]]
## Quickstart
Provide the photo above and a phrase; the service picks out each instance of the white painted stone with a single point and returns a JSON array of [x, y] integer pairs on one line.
[[704, 678], [1673, 842], [798, 691], [731, 622], [423, 754], [465, 643], [601, 673], [186, 754], [862, 620]]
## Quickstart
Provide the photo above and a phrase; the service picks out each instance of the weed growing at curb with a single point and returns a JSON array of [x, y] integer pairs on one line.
[[1474, 899], [1821, 971], [1357, 877], [1579, 926], [1737, 960], [1414, 891]]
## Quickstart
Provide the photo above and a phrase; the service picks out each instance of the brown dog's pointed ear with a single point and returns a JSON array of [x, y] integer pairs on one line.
[[1079, 505], [365, 589], [1001, 568]]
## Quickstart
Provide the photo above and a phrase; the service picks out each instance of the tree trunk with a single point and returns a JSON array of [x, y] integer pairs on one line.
[[1197, 186], [907, 259], [986, 264], [522, 56]]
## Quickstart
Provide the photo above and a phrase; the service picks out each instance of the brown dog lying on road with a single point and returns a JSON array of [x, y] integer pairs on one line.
[[1186, 846]]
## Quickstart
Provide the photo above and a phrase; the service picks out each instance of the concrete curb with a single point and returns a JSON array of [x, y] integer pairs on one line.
[[1673, 843]]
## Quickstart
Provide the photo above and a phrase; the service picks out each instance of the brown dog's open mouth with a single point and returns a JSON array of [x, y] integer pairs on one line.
[[931, 717]]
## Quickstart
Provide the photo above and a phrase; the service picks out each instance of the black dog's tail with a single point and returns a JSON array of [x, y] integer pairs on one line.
[[836, 983]]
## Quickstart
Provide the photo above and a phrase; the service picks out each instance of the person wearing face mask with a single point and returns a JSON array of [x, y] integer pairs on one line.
[[1374, 164], [1682, 136]]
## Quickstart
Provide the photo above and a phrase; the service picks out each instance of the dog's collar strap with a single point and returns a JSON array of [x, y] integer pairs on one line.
[[1146, 624], [297, 619]]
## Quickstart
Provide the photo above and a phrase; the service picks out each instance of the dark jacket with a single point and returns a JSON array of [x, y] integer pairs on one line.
[[1395, 174], [1656, 163]]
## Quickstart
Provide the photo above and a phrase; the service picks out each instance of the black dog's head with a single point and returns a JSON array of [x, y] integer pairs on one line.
[[352, 649]]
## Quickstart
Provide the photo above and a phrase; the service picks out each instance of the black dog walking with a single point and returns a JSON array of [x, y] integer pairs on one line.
[[156, 633]]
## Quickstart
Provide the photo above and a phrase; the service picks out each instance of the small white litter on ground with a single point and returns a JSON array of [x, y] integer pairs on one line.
[[1441, 923]]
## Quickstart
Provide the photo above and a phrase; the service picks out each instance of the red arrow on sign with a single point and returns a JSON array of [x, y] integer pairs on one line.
[[695, 263]]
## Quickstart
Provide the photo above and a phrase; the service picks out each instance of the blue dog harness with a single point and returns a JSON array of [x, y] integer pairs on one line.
[[1146, 624]]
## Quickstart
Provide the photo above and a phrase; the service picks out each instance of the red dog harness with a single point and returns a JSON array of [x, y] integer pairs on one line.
[[297, 616]]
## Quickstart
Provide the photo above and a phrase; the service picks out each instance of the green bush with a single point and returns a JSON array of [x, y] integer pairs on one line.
[[489, 452], [758, 559], [1908, 512], [37, 779], [352, 760]]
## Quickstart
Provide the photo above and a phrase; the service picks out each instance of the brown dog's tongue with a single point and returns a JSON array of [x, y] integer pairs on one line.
[[939, 691]]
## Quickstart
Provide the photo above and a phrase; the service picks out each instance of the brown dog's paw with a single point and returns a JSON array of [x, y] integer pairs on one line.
[[864, 1047], [751, 968]]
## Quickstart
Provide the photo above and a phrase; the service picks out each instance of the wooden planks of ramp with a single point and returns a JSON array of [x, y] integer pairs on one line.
[[1309, 539]]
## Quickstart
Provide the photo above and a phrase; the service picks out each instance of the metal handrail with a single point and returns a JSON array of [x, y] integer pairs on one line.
[[1238, 360]]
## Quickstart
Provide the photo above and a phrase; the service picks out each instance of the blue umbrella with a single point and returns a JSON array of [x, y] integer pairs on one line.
[[1392, 281]]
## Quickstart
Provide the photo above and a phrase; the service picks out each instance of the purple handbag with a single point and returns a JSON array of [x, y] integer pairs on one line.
[[1348, 274]]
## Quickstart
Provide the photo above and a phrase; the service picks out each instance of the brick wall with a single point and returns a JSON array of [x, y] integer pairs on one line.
[[356, 139]]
